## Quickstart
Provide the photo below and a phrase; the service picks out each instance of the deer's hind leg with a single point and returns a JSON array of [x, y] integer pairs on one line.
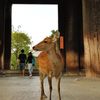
[[42, 77]]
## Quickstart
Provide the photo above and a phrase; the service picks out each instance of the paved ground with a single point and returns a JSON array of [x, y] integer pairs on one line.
[[72, 88]]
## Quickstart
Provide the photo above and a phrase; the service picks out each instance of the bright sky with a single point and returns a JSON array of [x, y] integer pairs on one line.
[[36, 20]]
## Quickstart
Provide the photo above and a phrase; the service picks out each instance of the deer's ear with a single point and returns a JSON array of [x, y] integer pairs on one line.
[[56, 36]]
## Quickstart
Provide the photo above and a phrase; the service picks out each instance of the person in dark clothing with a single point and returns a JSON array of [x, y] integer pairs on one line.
[[30, 61], [22, 61]]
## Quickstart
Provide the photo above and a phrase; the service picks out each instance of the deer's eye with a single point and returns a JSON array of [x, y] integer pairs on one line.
[[45, 41]]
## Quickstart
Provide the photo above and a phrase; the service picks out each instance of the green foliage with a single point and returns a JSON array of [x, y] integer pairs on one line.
[[19, 41]]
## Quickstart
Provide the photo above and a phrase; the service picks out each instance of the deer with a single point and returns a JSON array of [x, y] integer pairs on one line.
[[50, 62]]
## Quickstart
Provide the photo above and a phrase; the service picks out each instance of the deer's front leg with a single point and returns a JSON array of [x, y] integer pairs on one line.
[[42, 87], [59, 81], [50, 86]]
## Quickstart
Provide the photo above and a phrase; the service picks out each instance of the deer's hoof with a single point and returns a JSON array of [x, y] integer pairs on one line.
[[44, 96]]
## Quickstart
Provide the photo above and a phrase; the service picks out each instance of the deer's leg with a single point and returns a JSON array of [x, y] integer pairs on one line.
[[50, 86], [42, 86], [59, 79], [59, 88]]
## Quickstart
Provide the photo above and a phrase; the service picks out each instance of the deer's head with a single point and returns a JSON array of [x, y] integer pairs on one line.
[[47, 44]]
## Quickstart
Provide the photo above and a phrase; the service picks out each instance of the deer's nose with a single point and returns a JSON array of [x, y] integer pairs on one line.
[[34, 47]]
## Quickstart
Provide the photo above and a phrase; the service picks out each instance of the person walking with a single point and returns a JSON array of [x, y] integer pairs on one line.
[[22, 62], [31, 63]]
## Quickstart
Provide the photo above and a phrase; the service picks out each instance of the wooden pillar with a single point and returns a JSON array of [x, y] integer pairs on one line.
[[7, 36], [61, 22], [1, 34], [91, 30], [73, 34]]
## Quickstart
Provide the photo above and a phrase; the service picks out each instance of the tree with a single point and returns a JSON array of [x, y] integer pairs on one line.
[[19, 41]]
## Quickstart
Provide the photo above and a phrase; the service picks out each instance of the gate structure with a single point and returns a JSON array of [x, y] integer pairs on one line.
[[70, 20]]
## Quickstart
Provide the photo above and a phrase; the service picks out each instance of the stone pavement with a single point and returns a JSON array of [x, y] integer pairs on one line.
[[72, 88]]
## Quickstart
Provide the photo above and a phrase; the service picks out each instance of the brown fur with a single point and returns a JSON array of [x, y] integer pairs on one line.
[[50, 63], [44, 63]]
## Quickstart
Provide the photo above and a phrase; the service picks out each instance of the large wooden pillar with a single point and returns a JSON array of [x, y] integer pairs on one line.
[[91, 29], [7, 38], [5, 34], [1, 34], [73, 34], [61, 22]]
